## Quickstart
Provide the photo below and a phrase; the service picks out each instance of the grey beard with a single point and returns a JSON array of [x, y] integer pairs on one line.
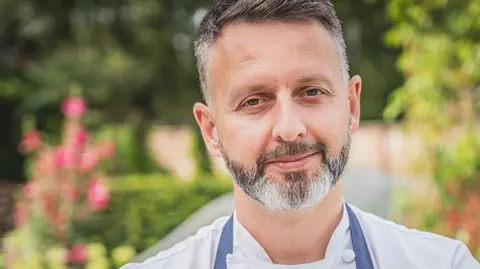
[[298, 190]]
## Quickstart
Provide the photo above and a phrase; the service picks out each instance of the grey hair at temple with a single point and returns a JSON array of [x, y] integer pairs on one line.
[[227, 11]]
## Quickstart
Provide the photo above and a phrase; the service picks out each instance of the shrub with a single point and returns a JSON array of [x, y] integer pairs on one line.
[[144, 208], [66, 187], [86, 256]]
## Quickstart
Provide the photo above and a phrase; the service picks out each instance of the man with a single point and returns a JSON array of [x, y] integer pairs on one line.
[[280, 110]]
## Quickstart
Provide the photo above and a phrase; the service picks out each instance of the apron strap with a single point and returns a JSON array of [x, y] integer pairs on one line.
[[363, 259], [360, 248], [225, 246]]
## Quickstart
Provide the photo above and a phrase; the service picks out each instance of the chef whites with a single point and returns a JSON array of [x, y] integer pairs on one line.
[[360, 249], [361, 240]]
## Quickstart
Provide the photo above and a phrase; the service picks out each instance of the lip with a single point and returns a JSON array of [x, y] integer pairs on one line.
[[292, 163]]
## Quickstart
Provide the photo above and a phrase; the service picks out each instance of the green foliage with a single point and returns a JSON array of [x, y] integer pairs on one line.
[[462, 161], [440, 101], [144, 208], [440, 42], [201, 154], [103, 75], [440, 52], [131, 70], [128, 158], [123, 255], [364, 24], [97, 257]]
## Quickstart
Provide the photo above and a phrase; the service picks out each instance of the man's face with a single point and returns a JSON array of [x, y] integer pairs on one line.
[[281, 114]]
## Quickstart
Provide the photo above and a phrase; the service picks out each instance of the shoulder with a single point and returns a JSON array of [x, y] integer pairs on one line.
[[196, 251], [392, 243]]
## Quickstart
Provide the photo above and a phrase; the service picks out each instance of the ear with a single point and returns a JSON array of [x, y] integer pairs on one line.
[[354, 92], [204, 117]]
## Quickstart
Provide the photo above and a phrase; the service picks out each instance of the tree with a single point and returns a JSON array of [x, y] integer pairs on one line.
[[440, 100], [129, 66], [365, 23]]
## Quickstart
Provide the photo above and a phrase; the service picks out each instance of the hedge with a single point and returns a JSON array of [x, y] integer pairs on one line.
[[144, 208]]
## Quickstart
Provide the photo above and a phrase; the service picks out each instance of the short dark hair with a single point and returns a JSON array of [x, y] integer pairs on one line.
[[226, 11]]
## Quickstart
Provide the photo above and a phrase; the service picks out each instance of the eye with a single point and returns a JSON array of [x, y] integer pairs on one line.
[[255, 102], [312, 92], [252, 102]]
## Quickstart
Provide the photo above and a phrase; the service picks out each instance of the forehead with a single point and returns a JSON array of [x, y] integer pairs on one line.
[[271, 50], [243, 35]]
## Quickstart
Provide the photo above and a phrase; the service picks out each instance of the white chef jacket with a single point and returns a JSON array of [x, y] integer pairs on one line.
[[391, 246]]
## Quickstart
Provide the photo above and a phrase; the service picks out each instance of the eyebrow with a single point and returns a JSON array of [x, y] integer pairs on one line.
[[313, 78], [244, 90]]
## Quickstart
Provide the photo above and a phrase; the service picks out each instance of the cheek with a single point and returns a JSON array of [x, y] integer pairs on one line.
[[243, 139], [329, 127]]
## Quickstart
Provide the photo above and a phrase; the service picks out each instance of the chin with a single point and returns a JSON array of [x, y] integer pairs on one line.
[[295, 191]]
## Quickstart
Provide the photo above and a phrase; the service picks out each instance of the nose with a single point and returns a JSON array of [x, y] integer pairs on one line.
[[289, 126]]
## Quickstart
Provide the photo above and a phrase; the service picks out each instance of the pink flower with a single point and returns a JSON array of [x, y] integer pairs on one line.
[[65, 157], [31, 141], [98, 195], [74, 107], [81, 138], [78, 254], [88, 161]]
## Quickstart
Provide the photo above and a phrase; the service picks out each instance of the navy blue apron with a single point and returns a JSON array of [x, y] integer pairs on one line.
[[362, 255]]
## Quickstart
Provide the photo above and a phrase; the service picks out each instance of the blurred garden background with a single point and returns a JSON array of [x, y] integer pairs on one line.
[[100, 158]]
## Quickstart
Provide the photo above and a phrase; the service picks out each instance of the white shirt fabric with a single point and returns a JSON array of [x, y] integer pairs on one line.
[[391, 246]]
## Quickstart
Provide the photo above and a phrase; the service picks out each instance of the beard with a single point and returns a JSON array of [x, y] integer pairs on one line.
[[298, 190]]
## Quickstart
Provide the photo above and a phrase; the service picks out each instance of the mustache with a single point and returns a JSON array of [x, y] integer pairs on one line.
[[292, 149]]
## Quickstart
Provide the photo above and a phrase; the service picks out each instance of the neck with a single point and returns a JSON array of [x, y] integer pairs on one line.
[[291, 237]]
